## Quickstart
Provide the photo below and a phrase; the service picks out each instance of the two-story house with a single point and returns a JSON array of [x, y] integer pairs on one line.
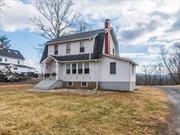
[[10, 57], [88, 60]]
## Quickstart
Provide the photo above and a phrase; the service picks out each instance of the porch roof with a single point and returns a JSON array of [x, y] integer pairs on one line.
[[87, 56]]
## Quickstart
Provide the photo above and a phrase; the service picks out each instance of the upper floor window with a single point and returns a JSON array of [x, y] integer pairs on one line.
[[112, 67], [68, 68], [80, 68], [113, 51], [86, 68], [0, 59], [18, 62], [68, 48], [81, 46], [74, 68], [55, 49], [5, 59]]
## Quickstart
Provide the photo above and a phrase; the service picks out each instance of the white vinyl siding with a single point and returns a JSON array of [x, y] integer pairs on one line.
[[91, 77], [11, 60], [122, 70], [75, 48]]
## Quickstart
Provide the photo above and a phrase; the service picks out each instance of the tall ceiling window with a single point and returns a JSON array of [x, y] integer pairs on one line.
[[55, 49], [68, 48], [81, 47]]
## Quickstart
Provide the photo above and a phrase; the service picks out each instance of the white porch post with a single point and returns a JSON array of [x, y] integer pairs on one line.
[[44, 69], [57, 70]]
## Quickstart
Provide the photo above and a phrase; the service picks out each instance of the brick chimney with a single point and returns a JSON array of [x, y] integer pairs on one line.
[[107, 36]]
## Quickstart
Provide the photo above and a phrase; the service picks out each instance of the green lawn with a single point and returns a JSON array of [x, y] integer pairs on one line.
[[104, 113]]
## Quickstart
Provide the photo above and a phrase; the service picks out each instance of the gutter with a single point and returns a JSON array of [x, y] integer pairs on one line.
[[97, 82]]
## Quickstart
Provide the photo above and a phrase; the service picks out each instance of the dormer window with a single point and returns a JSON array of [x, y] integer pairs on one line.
[[55, 49], [68, 48], [81, 46], [113, 51]]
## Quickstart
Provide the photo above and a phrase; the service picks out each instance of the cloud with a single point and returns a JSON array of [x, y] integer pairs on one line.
[[139, 29], [16, 16], [142, 27], [160, 14], [175, 26]]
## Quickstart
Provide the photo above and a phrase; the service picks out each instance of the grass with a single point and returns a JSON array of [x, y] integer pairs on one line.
[[105, 113]]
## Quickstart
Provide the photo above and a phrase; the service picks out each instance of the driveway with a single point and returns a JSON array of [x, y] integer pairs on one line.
[[174, 97]]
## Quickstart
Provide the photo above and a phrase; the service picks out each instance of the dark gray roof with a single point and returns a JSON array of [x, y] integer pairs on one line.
[[83, 35], [11, 53], [86, 56], [5, 64], [98, 46]]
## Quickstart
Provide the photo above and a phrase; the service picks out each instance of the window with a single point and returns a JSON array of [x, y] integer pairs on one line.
[[5, 59], [113, 51], [81, 46], [69, 84], [0, 59], [74, 68], [68, 68], [18, 62], [86, 68], [80, 68], [68, 48], [113, 68], [55, 49], [84, 84], [133, 70]]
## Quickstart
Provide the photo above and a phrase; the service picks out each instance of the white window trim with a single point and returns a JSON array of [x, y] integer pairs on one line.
[[76, 68], [68, 83], [115, 68], [69, 68], [80, 46], [68, 44], [88, 67], [86, 84]]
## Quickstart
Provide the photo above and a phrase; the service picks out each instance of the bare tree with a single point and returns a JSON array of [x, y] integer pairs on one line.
[[82, 26], [171, 61], [56, 17]]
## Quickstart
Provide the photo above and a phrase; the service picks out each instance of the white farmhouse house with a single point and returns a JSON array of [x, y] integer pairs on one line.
[[87, 60], [14, 59]]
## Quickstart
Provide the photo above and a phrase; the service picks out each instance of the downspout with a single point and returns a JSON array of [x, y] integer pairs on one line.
[[97, 75]]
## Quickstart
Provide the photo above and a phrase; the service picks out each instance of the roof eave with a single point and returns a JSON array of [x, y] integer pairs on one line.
[[121, 58], [78, 39]]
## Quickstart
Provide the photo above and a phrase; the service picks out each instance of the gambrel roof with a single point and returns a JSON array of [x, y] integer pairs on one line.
[[77, 36], [11, 53]]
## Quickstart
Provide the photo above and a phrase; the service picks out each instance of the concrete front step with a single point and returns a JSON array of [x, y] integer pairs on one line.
[[49, 84]]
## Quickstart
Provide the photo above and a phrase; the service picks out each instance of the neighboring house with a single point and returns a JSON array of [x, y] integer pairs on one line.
[[13, 58], [89, 60]]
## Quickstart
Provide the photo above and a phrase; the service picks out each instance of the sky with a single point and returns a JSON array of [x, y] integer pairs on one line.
[[142, 27]]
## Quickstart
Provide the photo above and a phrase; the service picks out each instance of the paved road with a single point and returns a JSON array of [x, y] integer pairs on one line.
[[174, 97]]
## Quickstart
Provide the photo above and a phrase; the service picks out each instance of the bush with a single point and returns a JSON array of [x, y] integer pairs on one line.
[[53, 74], [46, 75]]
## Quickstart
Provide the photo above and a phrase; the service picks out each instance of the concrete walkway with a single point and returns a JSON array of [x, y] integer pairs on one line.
[[174, 97]]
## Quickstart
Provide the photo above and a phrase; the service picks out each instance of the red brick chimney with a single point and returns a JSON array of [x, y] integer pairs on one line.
[[107, 36]]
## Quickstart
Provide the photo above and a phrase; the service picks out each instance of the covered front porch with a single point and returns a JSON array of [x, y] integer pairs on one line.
[[51, 69]]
